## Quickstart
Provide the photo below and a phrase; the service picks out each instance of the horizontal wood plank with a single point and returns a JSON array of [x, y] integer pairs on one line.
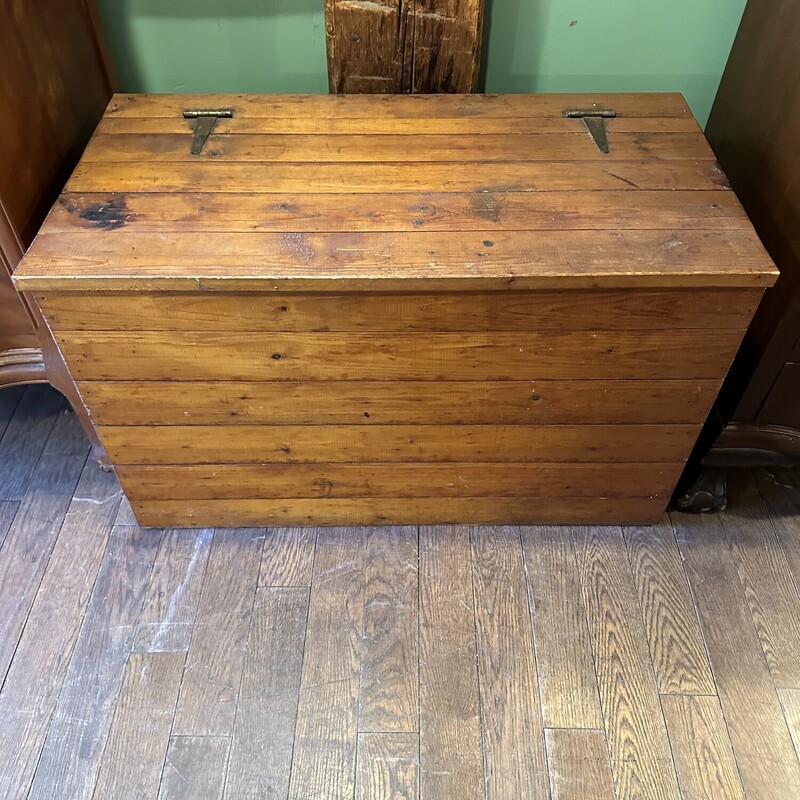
[[398, 211], [471, 176], [490, 311], [398, 402], [323, 107], [253, 481], [409, 126], [412, 262], [384, 511], [575, 144], [290, 444], [175, 355]]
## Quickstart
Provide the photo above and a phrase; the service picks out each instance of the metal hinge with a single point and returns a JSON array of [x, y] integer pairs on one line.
[[594, 119], [204, 121]]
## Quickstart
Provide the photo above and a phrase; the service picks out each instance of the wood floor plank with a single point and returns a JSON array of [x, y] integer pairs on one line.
[[388, 766], [388, 698], [9, 400], [35, 677], [210, 687], [288, 557], [8, 511], [125, 514], [36, 526], [769, 587], [790, 700], [761, 743], [673, 633], [167, 619], [579, 765], [195, 768], [79, 727], [781, 492], [703, 755], [137, 744], [324, 763], [263, 736], [513, 734], [451, 756], [567, 679], [25, 438], [641, 761]]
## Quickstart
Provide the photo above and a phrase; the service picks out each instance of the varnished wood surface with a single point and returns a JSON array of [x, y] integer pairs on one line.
[[496, 311], [288, 444], [325, 194], [399, 402], [419, 261], [532, 355], [498, 663]]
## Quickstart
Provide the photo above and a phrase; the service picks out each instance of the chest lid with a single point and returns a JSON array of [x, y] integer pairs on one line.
[[396, 193]]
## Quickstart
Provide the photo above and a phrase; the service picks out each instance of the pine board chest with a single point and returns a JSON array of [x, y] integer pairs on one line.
[[311, 310]]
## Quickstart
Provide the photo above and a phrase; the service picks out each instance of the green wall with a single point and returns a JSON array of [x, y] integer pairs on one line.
[[531, 45]]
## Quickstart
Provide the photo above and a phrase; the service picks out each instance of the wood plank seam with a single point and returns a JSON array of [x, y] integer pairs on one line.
[[736, 756], [481, 716]]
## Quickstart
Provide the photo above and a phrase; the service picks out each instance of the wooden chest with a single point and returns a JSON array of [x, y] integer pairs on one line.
[[389, 309]]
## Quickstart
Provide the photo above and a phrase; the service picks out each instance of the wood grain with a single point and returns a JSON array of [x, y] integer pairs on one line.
[[210, 687], [398, 211], [32, 535], [398, 402], [579, 765], [411, 126], [781, 493], [195, 767], [403, 313], [9, 401], [8, 511], [389, 697], [324, 762], [567, 679], [24, 438], [84, 712], [40, 662], [451, 758], [790, 700], [233, 481], [703, 756], [134, 755], [673, 633], [767, 760], [167, 619], [263, 736], [178, 355], [391, 47], [295, 177], [401, 511], [420, 262], [769, 587], [641, 761], [366, 148], [288, 557], [513, 735], [388, 766], [366, 46], [291, 444], [324, 107]]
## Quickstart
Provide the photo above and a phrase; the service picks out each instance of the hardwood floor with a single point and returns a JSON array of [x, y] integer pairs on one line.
[[443, 663]]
